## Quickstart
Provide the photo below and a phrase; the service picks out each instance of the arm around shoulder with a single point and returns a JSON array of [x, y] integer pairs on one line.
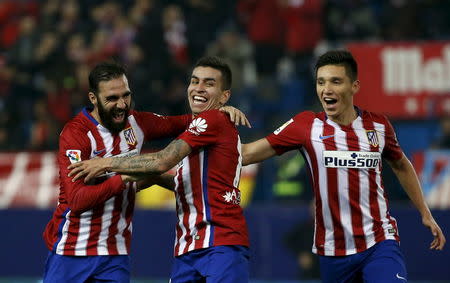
[[155, 163]]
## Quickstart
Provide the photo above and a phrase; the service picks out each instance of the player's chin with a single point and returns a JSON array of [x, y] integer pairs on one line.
[[197, 109], [329, 112]]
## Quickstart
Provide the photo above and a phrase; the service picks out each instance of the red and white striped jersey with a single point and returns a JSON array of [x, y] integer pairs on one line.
[[95, 219], [207, 180], [352, 212]]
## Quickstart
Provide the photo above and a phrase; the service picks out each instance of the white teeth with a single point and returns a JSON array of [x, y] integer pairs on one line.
[[199, 98]]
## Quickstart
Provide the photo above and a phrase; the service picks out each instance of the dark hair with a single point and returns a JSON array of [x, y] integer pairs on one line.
[[341, 58], [218, 64], [105, 71]]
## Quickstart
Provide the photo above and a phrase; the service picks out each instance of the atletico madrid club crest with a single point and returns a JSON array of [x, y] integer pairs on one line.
[[130, 137], [372, 137]]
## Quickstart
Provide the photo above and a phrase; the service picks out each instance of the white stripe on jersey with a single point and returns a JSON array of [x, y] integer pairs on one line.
[[62, 241], [180, 214], [120, 239], [343, 192], [107, 140], [208, 225], [187, 191], [380, 128], [239, 165], [93, 144], [83, 233], [108, 208], [189, 195], [316, 131], [364, 193]]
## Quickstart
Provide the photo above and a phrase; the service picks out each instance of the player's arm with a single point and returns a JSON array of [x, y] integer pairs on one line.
[[256, 151], [157, 126], [79, 196], [407, 176], [150, 163], [144, 181]]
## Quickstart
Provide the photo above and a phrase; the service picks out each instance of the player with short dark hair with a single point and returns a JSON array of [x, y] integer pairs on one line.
[[211, 233], [355, 235]]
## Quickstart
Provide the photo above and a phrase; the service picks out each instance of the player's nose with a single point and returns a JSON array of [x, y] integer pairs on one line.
[[121, 103]]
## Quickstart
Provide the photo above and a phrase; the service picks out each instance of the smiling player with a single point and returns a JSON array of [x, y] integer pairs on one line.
[[355, 235]]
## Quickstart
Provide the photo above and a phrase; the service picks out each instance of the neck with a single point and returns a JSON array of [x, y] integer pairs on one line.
[[94, 113], [345, 118]]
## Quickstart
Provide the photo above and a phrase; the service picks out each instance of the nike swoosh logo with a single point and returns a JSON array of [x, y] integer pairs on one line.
[[325, 137], [97, 152], [399, 277]]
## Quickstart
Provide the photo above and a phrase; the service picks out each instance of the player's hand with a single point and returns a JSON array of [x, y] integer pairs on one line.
[[439, 238], [236, 116], [128, 178], [88, 169], [133, 177]]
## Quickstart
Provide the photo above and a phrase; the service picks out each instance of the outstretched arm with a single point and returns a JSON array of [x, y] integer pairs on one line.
[[256, 151], [408, 179], [153, 163]]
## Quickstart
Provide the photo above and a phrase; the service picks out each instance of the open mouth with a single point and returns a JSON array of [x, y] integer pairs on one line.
[[199, 99], [330, 101], [119, 116]]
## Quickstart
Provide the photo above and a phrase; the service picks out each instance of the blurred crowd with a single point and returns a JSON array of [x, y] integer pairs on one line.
[[47, 48]]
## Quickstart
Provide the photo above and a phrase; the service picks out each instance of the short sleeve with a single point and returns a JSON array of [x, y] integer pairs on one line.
[[392, 149], [205, 129], [157, 126], [291, 135]]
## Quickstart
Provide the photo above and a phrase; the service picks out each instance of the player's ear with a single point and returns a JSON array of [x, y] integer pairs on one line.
[[355, 86], [93, 98], [225, 97]]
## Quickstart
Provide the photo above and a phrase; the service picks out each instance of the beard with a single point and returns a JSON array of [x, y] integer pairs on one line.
[[108, 121]]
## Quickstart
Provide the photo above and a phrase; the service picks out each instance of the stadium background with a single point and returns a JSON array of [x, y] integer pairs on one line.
[[48, 47]]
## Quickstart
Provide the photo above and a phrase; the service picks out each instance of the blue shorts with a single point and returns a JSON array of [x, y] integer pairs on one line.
[[384, 262], [214, 264], [73, 269]]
